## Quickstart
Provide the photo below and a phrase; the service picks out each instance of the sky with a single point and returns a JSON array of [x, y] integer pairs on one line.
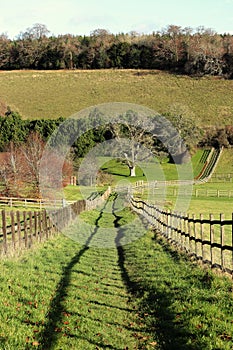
[[80, 17]]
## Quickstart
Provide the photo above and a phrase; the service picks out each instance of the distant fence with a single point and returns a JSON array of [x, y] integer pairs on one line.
[[31, 202], [222, 177], [21, 229], [159, 189], [209, 240]]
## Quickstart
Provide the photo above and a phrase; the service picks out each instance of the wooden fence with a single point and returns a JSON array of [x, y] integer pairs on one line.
[[20, 229], [158, 189], [221, 177], [209, 240], [36, 203]]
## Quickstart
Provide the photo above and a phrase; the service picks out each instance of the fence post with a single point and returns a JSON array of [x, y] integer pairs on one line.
[[45, 224], [35, 226], [182, 227], [171, 225], [13, 228], [232, 244], [211, 237], [19, 228], [175, 223], [25, 228], [40, 226], [189, 234], [201, 234], [195, 234], [181, 231], [168, 224], [30, 227], [4, 231], [222, 240]]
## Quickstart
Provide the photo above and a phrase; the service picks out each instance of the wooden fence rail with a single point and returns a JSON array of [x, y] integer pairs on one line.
[[31, 202], [159, 190], [20, 229], [209, 240]]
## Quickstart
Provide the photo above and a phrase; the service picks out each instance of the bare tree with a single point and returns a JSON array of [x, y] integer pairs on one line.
[[132, 133], [37, 31], [13, 170], [32, 152]]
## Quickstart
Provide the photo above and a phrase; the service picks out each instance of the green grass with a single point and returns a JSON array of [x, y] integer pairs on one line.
[[143, 295], [50, 94], [73, 193], [150, 171], [225, 164], [184, 306], [198, 205], [213, 206]]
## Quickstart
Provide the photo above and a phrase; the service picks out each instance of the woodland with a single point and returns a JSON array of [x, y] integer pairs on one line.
[[189, 51]]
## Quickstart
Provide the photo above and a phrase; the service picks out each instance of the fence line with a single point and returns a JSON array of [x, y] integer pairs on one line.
[[209, 240], [32, 202], [20, 230], [157, 189]]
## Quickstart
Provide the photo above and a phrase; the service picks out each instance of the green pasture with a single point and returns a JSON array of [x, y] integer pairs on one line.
[[225, 164], [142, 295], [51, 94], [150, 170], [202, 204]]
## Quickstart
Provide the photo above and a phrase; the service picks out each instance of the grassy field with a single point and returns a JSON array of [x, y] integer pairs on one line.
[[150, 171], [225, 164], [142, 295], [51, 94]]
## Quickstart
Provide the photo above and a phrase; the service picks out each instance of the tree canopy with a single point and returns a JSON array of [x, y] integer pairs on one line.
[[184, 50]]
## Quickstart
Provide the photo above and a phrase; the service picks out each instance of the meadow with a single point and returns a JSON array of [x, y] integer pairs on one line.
[[204, 203], [51, 94], [70, 294], [142, 295]]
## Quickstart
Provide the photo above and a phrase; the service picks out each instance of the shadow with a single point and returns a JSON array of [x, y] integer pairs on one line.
[[55, 313], [110, 306], [130, 286], [142, 73], [155, 302], [118, 174]]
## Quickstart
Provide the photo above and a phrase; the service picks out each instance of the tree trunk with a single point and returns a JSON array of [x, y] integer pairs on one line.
[[132, 170]]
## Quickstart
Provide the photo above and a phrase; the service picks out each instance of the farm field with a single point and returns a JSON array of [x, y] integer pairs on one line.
[[51, 94], [204, 196], [205, 202], [73, 294], [143, 295]]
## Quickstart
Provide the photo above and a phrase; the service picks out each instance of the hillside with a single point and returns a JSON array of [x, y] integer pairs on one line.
[[51, 94]]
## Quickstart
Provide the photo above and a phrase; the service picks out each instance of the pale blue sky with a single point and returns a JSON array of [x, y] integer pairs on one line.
[[83, 16]]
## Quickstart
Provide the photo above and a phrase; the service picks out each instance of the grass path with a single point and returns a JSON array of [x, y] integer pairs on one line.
[[141, 295]]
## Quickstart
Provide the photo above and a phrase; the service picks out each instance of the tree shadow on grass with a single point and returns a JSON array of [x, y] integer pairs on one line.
[[55, 313], [155, 306]]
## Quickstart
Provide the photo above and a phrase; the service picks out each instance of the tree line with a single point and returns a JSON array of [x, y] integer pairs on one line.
[[184, 50], [15, 129]]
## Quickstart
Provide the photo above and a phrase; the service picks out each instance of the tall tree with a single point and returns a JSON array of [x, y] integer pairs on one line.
[[131, 132]]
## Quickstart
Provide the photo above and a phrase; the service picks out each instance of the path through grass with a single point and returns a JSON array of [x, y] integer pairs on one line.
[[142, 295]]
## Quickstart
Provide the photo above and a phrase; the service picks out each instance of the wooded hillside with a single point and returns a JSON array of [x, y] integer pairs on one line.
[[185, 50]]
